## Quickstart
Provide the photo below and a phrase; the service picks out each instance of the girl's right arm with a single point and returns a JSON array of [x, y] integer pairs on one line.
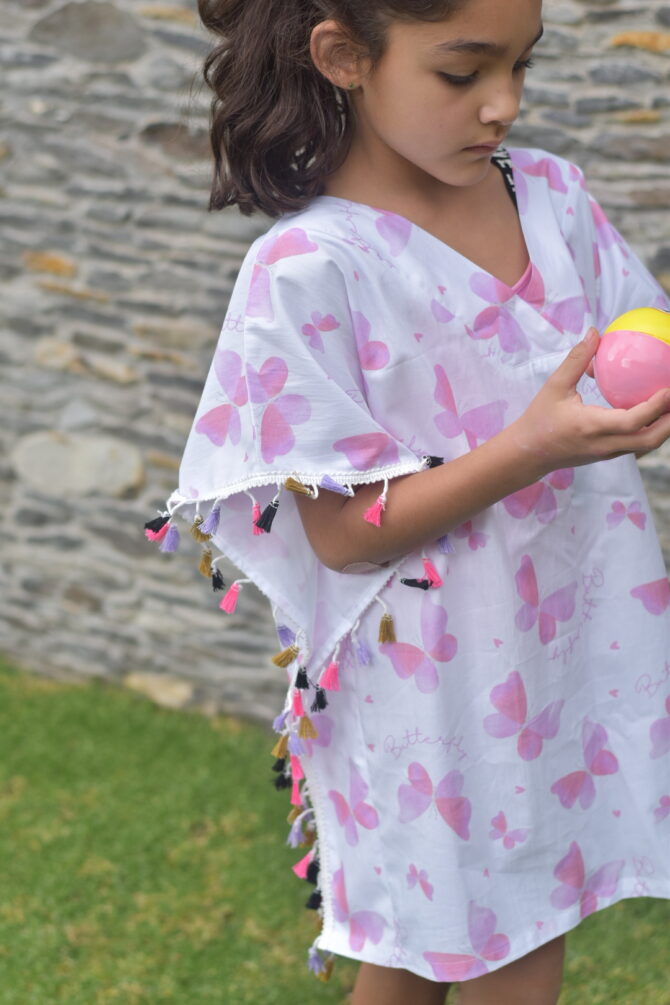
[[556, 431]]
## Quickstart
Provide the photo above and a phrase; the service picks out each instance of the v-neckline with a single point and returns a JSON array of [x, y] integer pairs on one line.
[[515, 288]]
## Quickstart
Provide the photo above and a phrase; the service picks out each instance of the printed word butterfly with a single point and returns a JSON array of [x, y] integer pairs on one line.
[[415, 798], [578, 785], [512, 717], [356, 811]]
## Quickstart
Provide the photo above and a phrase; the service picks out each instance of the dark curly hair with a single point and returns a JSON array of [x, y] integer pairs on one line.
[[278, 126]]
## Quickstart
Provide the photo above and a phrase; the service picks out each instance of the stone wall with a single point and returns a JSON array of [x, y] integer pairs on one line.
[[115, 282]]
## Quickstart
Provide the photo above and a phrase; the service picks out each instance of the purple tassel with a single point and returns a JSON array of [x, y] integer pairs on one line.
[[171, 540], [297, 835], [295, 745], [364, 654], [286, 636], [280, 722], [316, 961], [328, 483], [211, 523], [445, 545]]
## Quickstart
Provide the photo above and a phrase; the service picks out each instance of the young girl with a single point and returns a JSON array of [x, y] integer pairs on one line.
[[401, 443]]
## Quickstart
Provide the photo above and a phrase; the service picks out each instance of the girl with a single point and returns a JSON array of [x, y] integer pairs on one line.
[[467, 586]]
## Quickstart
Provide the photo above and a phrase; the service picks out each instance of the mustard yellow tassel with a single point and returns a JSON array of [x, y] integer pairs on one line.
[[206, 564], [280, 748], [294, 486], [294, 814], [386, 629], [306, 729], [286, 656], [197, 533], [326, 973]]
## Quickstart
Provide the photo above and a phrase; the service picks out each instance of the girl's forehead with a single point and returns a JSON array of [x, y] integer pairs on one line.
[[477, 26]]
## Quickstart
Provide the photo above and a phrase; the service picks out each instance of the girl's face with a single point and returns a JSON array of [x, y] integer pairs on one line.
[[441, 90]]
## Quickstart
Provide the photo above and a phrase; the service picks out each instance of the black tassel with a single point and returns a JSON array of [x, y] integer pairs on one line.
[[218, 582], [282, 782], [422, 584], [301, 679], [320, 701], [435, 462], [314, 902], [313, 871], [157, 524], [266, 518], [279, 764]]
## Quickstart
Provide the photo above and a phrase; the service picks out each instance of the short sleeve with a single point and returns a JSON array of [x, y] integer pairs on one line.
[[285, 400]]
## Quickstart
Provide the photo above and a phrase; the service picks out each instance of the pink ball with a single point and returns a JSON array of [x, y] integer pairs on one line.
[[631, 366]]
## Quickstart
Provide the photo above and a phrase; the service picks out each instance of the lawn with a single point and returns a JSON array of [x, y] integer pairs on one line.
[[144, 860]]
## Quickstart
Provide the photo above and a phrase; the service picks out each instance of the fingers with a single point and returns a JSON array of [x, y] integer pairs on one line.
[[635, 419], [577, 362]]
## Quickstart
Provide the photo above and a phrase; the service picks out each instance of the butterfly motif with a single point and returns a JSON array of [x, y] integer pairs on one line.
[[372, 355], [318, 325], [544, 167], [223, 422], [577, 886], [540, 497], [558, 606], [411, 661], [659, 733], [415, 877], [368, 450], [363, 925], [619, 513], [474, 538], [663, 809], [414, 799], [608, 236], [356, 811], [512, 717], [291, 243], [478, 424], [500, 830], [496, 320], [567, 315], [324, 726], [394, 229], [281, 411], [579, 785], [440, 312], [487, 944], [655, 595]]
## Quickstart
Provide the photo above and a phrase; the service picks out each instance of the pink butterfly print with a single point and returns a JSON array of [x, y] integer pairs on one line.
[[509, 838], [411, 661], [395, 230], [558, 606], [414, 799], [474, 538], [496, 319], [414, 877], [512, 717], [655, 596], [540, 497], [319, 324], [324, 726], [222, 422], [486, 942], [663, 809], [281, 410], [363, 925], [659, 733], [372, 355], [633, 512], [578, 785], [608, 236], [356, 811], [577, 886], [534, 291], [368, 450], [542, 168], [567, 315], [478, 424], [287, 245], [440, 312]]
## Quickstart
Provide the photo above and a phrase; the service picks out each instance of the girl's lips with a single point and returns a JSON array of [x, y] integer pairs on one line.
[[490, 147]]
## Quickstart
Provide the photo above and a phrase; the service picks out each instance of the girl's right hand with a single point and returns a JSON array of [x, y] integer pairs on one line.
[[558, 430]]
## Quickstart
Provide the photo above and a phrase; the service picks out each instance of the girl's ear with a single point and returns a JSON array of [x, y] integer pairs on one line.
[[335, 54]]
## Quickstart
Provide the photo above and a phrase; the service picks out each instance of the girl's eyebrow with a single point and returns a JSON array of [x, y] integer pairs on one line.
[[486, 48]]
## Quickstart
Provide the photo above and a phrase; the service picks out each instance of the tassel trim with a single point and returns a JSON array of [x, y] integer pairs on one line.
[[229, 602], [264, 523], [197, 532], [374, 514]]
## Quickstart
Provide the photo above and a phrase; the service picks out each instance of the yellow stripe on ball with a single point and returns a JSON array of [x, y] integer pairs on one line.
[[648, 320]]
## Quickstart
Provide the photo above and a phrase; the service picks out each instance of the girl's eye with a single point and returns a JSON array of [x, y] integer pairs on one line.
[[525, 64]]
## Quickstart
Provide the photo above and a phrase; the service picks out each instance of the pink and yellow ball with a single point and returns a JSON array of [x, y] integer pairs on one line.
[[633, 358]]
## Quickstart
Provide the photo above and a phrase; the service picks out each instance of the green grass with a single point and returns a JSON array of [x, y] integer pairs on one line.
[[143, 860]]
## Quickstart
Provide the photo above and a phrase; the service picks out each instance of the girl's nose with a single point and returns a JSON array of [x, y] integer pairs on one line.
[[502, 104]]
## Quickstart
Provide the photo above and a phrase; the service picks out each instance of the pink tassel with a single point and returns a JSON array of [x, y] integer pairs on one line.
[[157, 536], [256, 516], [432, 575], [298, 707], [330, 680], [296, 769], [374, 514], [229, 602], [301, 867], [296, 798]]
